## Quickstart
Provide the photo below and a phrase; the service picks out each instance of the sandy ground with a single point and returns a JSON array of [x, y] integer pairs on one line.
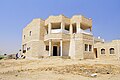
[[56, 68]]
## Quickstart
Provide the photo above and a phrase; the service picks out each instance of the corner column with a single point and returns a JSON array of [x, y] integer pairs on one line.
[[49, 28], [71, 30], [61, 47], [78, 28], [62, 26], [50, 47]]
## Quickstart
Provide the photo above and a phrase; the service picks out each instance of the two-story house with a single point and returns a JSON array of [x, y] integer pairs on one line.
[[59, 36]]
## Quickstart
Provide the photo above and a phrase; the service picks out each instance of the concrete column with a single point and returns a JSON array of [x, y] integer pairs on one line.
[[62, 26], [71, 29], [61, 47], [49, 28], [78, 28], [92, 48], [50, 47]]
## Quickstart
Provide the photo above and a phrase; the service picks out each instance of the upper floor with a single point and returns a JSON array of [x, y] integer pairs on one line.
[[62, 24], [53, 27]]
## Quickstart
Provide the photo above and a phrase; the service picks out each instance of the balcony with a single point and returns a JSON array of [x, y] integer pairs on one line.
[[57, 34], [85, 23]]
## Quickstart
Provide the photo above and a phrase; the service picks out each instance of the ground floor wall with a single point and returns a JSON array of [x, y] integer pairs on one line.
[[77, 49], [56, 48], [89, 53], [107, 50], [66, 45], [107, 54], [35, 49]]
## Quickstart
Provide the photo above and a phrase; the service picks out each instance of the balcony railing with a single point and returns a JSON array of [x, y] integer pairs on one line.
[[85, 32], [59, 31]]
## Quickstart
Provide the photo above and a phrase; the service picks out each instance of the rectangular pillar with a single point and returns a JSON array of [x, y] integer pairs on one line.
[[50, 47], [61, 48], [78, 28], [62, 26], [49, 28], [71, 29]]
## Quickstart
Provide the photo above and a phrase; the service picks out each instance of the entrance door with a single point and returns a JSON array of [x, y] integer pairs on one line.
[[95, 51], [54, 50]]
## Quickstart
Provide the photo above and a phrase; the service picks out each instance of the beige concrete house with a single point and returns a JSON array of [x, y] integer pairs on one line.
[[63, 36]]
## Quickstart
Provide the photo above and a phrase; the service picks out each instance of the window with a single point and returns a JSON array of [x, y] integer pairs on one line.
[[90, 47], [47, 48], [30, 33], [28, 48], [111, 50], [86, 47], [24, 36], [102, 51]]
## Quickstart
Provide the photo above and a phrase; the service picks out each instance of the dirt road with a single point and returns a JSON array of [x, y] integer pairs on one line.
[[59, 69]]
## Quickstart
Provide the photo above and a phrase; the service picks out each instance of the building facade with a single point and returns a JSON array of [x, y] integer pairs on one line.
[[107, 50], [61, 36]]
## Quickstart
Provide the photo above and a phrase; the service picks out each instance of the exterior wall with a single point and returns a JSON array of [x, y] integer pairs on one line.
[[77, 46], [36, 41], [114, 44], [34, 26], [88, 39], [72, 48], [66, 45], [38, 49], [79, 49]]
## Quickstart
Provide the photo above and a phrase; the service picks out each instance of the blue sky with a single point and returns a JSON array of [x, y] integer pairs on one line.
[[16, 14]]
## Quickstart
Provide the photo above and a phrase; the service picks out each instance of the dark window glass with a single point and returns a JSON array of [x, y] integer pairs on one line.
[[102, 51]]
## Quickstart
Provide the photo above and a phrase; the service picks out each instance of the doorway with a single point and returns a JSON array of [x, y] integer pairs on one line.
[[54, 50], [95, 51]]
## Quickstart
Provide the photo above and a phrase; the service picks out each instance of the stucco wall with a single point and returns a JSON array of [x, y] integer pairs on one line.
[[66, 45], [72, 49], [35, 41], [107, 46], [35, 26]]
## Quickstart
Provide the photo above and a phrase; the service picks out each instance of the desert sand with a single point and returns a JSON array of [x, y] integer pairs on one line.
[[56, 68]]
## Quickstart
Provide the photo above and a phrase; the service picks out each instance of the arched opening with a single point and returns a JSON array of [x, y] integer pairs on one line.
[[112, 51], [102, 51]]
